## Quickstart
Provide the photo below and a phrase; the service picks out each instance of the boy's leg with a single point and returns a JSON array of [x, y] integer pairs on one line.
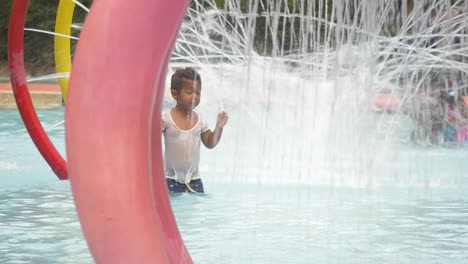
[[175, 187], [197, 185]]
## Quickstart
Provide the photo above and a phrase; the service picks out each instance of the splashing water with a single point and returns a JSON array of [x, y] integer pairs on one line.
[[298, 78]]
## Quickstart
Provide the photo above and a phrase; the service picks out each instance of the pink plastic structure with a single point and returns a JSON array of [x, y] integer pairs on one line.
[[113, 135]]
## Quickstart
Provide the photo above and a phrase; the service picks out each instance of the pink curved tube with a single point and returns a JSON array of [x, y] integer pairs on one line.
[[113, 135]]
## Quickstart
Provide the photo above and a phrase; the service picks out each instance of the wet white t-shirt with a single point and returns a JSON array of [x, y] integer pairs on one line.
[[182, 149]]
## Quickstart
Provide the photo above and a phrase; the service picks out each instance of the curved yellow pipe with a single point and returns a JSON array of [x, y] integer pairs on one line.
[[63, 24]]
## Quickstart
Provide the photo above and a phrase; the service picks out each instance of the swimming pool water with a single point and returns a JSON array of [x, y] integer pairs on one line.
[[246, 221]]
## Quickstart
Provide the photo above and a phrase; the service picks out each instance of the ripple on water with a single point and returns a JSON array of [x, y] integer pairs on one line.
[[39, 225]]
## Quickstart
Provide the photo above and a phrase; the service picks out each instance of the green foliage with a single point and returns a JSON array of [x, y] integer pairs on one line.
[[38, 47], [4, 18], [273, 35], [278, 38], [275, 32]]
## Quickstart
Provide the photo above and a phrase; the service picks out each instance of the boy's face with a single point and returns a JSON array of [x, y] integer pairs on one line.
[[189, 95]]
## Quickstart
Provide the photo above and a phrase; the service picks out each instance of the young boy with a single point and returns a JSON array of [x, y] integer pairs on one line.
[[183, 130]]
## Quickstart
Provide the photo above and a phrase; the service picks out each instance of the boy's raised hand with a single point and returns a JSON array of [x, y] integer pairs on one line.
[[222, 119]]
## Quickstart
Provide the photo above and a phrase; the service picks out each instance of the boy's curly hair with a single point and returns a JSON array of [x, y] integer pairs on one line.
[[180, 75]]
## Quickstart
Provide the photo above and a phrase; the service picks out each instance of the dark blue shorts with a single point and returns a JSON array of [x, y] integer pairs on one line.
[[176, 187]]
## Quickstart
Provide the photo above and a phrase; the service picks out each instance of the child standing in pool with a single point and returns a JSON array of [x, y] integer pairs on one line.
[[184, 130]]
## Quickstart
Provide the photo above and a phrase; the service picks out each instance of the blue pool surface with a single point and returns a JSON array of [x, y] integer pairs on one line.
[[247, 221]]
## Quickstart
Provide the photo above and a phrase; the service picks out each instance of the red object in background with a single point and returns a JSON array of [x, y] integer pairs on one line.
[[22, 96], [389, 102]]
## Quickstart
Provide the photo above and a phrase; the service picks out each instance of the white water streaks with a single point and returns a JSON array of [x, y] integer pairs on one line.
[[298, 79]]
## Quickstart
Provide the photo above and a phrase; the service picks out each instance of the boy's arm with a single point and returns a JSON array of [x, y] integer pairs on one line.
[[163, 124], [211, 138]]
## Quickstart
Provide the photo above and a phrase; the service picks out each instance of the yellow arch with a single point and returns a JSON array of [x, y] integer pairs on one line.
[[63, 24]]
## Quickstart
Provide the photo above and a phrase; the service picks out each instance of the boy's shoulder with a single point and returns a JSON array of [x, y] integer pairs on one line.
[[198, 114], [166, 115]]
